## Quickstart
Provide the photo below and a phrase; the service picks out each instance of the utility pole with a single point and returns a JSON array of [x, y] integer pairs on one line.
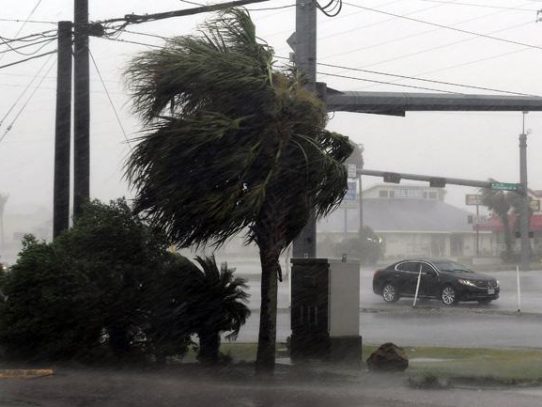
[[305, 59], [61, 200], [524, 212], [81, 107]]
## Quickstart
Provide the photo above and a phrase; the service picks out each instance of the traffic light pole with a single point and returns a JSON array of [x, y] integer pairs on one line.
[[305, 58]]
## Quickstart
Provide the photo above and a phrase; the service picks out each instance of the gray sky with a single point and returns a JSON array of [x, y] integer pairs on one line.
[[465, 145]]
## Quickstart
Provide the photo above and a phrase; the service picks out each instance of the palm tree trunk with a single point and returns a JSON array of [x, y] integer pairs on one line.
[[265, 361]]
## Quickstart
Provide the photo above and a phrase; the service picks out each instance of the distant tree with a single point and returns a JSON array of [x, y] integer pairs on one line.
[[233, 144], [503, 203], [367, 247], [499, 203]]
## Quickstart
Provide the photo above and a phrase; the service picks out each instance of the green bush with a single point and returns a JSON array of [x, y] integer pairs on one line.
[[108, 288], [48, 313]]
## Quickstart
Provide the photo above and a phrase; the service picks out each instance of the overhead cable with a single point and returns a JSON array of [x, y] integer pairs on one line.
[[447, 27], [34, 77], [21, 110], [462, 85], [388, 83], [28, 59], [117, 116]]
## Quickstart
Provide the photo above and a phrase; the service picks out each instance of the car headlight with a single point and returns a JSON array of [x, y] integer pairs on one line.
[[466, 282]]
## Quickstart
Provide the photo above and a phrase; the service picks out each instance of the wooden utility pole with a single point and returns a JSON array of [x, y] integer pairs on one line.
[[61, 200], [81, 157]]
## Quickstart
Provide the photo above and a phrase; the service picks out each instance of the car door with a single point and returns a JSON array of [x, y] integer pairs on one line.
[[429, 282], [408, 274]]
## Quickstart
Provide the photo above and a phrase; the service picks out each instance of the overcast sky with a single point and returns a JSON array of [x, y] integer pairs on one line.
[[463, 145]]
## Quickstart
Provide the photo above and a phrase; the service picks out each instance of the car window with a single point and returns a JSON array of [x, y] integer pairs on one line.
[[427, 269], [452, 267], [410, 266]]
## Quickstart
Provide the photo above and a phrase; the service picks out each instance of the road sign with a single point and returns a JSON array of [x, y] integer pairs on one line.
[[351, 193], [473, 199], [505, 186]]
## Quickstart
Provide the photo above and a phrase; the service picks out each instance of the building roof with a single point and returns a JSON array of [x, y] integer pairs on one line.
[[414, 215]]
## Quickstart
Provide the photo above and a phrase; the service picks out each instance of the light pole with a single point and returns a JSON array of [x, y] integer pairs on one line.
[[524, 209]]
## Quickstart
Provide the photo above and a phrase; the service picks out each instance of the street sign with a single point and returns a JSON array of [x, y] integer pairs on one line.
[[473, 199], [351, 193], [505, 186], [534, 204]]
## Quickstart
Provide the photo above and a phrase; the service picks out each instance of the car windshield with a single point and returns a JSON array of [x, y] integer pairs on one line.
[[452, 267]]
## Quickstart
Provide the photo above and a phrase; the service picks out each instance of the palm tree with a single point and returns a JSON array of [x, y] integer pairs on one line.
[[218, 306], [232, 145], [499, 202]]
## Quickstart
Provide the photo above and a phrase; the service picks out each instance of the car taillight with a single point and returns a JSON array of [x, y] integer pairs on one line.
[[377, 272]]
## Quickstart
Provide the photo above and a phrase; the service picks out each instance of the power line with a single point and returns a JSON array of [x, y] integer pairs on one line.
[[490, 37], [16, 49], [441, 46], [426, 80], [479, 5], [404, 37], [15, 20], [30, 37], [138, 19], [21, 110], [24, 91], [24, 23], [109, 97], [11, 49], [387, 83], [28, 59], [131, 42]]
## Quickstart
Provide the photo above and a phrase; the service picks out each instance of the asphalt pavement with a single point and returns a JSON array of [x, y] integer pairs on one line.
[[431, 323]]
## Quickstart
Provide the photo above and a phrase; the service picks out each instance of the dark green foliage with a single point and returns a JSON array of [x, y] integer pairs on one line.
[[233, 144], [108, 288], [47, 314]]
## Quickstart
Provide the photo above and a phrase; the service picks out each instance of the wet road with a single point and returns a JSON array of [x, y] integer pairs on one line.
[[89, 388], [431, 323]]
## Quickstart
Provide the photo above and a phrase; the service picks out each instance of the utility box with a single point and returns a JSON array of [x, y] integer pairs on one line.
[[325, 310]]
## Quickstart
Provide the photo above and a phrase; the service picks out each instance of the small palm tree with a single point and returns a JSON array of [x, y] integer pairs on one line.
[[218, 306]]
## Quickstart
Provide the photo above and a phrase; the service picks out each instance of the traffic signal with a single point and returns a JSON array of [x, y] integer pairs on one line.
[[392, 177], [437, 182]]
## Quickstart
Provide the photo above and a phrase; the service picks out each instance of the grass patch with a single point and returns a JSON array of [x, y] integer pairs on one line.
[[439, 366], [468, 366]]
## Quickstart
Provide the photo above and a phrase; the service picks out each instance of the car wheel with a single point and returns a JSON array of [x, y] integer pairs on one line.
[[448, 295], [484, 301], [390, 293]]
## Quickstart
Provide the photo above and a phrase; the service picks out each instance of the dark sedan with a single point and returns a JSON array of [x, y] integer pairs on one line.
[[446, 280]]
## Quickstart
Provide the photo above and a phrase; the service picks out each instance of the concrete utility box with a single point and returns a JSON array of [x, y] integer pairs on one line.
[[325, 310]]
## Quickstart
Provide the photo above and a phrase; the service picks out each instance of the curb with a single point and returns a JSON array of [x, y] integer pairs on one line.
[[25, 373]]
